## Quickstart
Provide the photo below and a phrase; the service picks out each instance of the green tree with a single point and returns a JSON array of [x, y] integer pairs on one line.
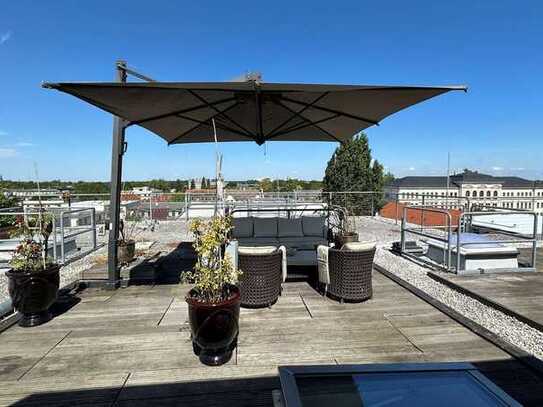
[[351, 169], [266, 185], [192, 184]]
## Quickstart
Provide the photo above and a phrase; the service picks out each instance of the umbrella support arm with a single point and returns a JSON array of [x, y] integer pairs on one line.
[[117, 151]]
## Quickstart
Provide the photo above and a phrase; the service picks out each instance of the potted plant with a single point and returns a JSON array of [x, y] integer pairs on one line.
[[7, 222], [34, 279], [126, 248], [215, 299], [345, 228]]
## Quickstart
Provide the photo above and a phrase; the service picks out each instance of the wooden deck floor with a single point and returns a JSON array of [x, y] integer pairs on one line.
[[521, 293], [132, 347]]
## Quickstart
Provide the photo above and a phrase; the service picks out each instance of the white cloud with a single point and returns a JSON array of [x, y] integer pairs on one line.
[[5, 37], [7, 152], [24, 144], [519, 169], [411, 168], [497, 168]]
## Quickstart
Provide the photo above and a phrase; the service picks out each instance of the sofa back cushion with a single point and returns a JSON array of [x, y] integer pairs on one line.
[[314, 226], [265, 227], [243, 227], [290, 227], [358, 246]]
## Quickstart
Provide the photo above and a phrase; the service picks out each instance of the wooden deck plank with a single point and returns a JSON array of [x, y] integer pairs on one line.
[[521, 293], [141, 335]]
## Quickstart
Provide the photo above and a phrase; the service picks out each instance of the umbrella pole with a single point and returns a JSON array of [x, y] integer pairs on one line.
[[117, 151]]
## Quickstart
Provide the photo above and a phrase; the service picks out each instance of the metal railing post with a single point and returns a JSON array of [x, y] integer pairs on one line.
[[403, 230], [54, 239], [93, 225], [62, 252], [534, 243]]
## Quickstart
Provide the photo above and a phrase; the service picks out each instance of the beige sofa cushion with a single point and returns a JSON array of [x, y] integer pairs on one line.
[[290, 227], [314, 225], [256, 250], [243, 227], [265, 227], [358, 246]]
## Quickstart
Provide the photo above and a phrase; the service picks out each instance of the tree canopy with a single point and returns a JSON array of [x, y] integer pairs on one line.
[[351, 169]]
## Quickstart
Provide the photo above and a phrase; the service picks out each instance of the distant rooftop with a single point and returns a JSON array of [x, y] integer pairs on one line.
[[463, 178]]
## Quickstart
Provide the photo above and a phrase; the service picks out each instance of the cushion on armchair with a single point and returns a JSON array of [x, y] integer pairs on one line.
[[322, 263], [265, 227], [256, 250], [359, 246]]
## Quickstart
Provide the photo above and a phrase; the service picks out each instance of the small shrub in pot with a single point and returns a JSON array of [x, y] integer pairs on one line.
[[33, 278], [214, 300]]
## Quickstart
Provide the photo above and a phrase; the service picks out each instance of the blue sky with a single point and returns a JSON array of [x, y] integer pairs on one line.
[[495, 47]]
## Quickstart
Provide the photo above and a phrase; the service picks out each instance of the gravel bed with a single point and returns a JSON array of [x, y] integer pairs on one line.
[[506, 327]]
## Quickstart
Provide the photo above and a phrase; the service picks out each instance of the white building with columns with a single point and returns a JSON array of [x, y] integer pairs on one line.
[[469, 186]]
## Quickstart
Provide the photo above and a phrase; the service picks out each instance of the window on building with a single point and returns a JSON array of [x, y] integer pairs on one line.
[[487, 193], [481, 193], [467, 193], [495, 193]]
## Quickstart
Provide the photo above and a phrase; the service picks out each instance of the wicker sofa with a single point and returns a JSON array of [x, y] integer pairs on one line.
[[300, 236], [346, 273]]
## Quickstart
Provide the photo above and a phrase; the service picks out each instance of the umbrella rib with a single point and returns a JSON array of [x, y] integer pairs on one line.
[[200, 124], [219, 112], [302, 126], [326, 109], [309, 121], [185, 110], [219, 125], [272, 132]]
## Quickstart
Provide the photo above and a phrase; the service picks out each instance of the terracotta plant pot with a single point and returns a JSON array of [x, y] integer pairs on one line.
[[32, 293], [346, 238], [214, 327], [126, 250]]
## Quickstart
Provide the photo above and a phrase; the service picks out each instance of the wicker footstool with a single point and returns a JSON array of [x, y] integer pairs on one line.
[[260, 283]]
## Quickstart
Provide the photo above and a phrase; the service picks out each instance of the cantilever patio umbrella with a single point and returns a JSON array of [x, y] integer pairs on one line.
[[182, 112]]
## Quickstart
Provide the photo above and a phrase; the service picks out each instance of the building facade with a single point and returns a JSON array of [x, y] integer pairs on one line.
[[467, 188]]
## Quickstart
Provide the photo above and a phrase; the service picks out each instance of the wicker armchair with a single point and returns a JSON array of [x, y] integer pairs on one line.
[[347, 275], [260, 283]]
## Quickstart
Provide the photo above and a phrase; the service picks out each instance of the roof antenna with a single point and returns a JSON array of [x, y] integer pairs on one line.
[[219, 187]]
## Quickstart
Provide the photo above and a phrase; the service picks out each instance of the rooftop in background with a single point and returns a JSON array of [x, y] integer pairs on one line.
[[466, 177]]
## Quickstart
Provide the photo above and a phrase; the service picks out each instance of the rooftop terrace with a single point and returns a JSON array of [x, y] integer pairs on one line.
[[132, 346]]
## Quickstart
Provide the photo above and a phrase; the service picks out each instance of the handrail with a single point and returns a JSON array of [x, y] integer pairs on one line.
[[522, 239], [404, 229]]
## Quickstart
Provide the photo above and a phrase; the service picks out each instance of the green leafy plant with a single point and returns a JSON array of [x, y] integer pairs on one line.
[[7, 220], [31, 255], [214, 274]]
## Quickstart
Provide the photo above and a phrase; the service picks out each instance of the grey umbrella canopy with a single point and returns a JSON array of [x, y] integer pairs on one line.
[[181, 112]]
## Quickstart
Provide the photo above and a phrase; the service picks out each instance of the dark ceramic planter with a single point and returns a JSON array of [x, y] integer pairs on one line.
[[32, 293], [214, 328], [346, 238], [126, 251]]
